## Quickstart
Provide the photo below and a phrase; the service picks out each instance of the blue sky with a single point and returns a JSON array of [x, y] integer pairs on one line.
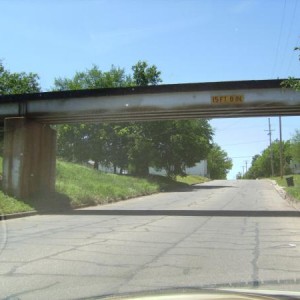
[[188, 40]]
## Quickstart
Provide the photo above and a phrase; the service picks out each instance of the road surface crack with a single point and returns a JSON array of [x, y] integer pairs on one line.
[[255, 276]]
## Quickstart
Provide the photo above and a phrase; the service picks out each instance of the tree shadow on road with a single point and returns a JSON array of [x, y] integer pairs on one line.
[[210, 187], [192, 188]]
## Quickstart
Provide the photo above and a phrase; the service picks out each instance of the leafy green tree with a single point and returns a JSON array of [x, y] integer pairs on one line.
[[18, 83], [295, 146], [261, 164], [169, 145], [140, 151], [143, 74], [256, 170], [102, 142], [114, 144], [178, 145], [218, 163], [239, 175], [80, 142], [94, 78]]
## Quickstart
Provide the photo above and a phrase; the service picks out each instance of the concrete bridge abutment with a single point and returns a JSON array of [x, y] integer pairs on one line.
[[29, 158]]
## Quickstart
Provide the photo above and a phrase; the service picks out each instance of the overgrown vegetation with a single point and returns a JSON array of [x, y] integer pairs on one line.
[[293, 191]]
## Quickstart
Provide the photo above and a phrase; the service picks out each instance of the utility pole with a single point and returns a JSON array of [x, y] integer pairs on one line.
[[271, 150], [280, 148], [246, 162], [243, 170]]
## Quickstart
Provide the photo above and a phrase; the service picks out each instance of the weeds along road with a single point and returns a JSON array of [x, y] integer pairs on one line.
[[217, 234]]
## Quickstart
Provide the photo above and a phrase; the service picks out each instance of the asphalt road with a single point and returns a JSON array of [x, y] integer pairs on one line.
[[219, 234]]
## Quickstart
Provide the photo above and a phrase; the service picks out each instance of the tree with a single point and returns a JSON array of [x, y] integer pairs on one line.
[[295, 146], [80, 142], [178, 145], [256, 170], [218, 162], [94, 78], [261, 164], [143, 74], [169, 145], [292, 82], [110, 144], [18, 83], [140, 151], [239, 175], [99, 142]]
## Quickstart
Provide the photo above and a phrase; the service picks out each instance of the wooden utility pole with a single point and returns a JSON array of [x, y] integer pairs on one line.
[[280, 148], [271, 150]]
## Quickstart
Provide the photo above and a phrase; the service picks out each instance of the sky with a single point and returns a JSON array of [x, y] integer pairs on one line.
[[188, 41]]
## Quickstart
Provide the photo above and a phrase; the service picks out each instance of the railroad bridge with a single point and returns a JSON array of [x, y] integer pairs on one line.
[[29, 153]]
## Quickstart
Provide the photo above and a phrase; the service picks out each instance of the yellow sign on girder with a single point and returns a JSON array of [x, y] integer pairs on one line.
[[227, 99]]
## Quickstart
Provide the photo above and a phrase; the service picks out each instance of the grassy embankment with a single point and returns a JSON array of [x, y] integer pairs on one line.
[[293, 191], [192, 179], [10, 205], [79, 185]]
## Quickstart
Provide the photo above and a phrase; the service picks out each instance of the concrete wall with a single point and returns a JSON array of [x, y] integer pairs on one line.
[[295, 167], [199, 169], [29, 157]]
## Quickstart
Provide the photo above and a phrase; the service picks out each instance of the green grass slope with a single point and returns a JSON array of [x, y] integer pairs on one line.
[[293, 191], [80, 186], [192, 179], [85, 186], [10, 205]]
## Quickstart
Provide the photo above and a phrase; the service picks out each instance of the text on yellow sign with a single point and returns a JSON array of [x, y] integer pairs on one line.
[[228, 99]]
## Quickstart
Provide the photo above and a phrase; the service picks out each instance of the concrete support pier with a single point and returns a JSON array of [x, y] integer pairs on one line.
[[29, 158]]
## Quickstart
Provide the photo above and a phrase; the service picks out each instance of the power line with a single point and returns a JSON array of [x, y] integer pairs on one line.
[[293, 55], [279, 39], [253, 142], [241, 119], [281, 148], [289, 34]]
